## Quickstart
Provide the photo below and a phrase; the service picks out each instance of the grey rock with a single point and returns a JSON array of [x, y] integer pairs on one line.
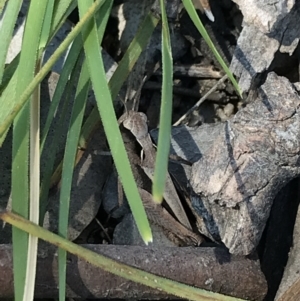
[[248, 160], [264, 14], [270, 28]]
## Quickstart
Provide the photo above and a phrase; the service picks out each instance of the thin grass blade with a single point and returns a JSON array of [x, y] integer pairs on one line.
[[46, 30], [69, 64], [34, 193], [67, 172], [6, 29], [110, 124], [63, 87], [35, 159], [20, 192], [125, 66], [70, 153], [197, 22], [169, 286], [9, 112], [62, 9], [165, 120]]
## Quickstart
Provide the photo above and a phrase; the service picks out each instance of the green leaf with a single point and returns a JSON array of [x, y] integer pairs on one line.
[[110, 124], [126, 64], [169, 286], [9, 108], [197, 22], [8, 22], [64, 87], [20, 190], [71, 150], [67, 173], [165, 120]]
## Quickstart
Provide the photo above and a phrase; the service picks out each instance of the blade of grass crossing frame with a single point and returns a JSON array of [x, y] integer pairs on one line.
[[93, 117], [7, 116], [115, 267], [45, 34], [67, 171], [165, 120], [110, 124], [20, 198], [8, 96], [70, 153], [34, 193], [60, 87], [132, 54], [8, 22], [25, 73], [62, 8], [125, 66], [57, 139], [197, 22], [35, 162]]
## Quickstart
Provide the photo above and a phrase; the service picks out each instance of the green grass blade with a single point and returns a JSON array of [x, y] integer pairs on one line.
[[70, 153], [60, 87], [169, 286], [8, 114], [34, 192], [125, 66], [6, 30], [62, 9], [132, 54], [67, 172], [165, 120], [35, 157], [110, 124], [197, 22], [20, 199], [63, 87], [53, 148], [47, 25], [9, 72]]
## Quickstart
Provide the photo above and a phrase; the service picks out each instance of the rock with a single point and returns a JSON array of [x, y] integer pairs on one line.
[[264, 14], [247, 160], [270, 27]]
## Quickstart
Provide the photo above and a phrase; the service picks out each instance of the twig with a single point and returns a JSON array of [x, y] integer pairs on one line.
[[202, 99]]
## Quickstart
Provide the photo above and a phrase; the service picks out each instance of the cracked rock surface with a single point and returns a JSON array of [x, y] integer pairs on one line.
[[272, 28], [247, 161]]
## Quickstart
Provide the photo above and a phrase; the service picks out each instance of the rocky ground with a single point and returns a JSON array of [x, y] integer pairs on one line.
[[234, 162]]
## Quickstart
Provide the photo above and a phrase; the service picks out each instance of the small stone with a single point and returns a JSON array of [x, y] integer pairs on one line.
[[229, 109]]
